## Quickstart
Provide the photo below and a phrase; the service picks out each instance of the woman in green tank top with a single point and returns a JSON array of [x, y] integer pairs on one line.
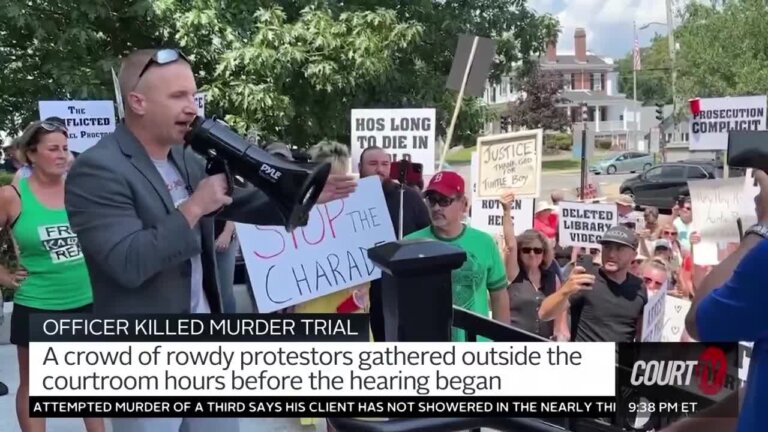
[[53, 276]]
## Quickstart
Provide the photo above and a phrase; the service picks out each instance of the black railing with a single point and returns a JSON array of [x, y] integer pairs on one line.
[[475, 325]]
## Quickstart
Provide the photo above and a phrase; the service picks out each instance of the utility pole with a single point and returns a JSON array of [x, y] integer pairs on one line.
[[634, 85], [671, 39], [584, 119]]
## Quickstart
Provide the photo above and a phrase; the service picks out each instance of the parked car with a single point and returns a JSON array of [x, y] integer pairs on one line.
[[625, 162], [660, 185]]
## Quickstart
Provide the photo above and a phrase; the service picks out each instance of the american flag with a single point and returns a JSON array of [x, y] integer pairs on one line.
[[637, 65]]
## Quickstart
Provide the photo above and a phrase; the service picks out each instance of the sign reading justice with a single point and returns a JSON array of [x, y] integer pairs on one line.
[[510, 162]]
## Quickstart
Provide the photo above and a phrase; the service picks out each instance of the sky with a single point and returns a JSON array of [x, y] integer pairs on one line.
[[608, 23]]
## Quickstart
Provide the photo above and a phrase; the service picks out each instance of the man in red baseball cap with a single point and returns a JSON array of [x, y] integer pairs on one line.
[[483, 271]]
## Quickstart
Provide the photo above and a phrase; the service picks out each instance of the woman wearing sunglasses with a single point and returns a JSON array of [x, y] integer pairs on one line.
[[53, 277], [527, 260]]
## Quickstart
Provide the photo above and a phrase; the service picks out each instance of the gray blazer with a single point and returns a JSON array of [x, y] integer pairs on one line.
[[136, 244]]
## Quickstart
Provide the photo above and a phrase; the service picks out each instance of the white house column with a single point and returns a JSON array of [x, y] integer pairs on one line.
[[597, 118]]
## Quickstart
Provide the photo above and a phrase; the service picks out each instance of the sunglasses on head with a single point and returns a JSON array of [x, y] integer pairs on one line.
[[526, 250], [441, 200], [51, 125], [162, 57]]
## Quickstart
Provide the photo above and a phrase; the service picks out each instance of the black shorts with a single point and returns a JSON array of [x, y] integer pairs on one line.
[[20, 320]]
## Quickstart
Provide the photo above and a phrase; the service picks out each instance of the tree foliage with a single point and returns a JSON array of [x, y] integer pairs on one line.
[[723, 49], [654, 79], [291, 69], [64, 49], [537, 107]]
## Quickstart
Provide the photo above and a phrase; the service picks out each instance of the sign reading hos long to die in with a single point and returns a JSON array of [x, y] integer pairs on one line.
[[403, 133]]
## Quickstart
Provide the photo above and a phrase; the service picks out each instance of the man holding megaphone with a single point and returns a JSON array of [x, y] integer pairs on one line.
[[140, 203]]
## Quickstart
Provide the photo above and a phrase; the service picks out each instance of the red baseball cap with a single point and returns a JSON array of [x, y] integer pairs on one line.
[[446, 183]]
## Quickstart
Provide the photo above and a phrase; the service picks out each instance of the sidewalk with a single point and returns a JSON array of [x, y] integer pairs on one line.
[[9, 374]]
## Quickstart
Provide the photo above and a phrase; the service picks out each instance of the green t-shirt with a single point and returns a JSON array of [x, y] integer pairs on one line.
[[483, 271]]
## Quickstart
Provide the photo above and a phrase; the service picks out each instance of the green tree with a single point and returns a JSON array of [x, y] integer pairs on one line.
[[723, 49], [289, 68], [654, 79], [64, 49], [538, 105]]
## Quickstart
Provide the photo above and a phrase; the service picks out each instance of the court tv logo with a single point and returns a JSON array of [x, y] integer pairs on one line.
[[707, 374]]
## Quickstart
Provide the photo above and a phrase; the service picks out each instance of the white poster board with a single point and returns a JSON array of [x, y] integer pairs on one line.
[[328, 255], [653, 316], [403, 133], [708, 129], [675, 310], [510, 161], [200, 103], [716, 207], [583, 224], [487, 213], [87, 121]]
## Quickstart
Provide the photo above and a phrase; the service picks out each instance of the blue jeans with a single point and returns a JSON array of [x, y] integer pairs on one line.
[[225, 261]]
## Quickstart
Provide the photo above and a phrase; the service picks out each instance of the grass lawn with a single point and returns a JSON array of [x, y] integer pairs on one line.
[[561, 165], [464, 155]]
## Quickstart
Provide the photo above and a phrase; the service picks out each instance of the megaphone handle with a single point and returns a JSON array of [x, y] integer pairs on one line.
[[219, 166]]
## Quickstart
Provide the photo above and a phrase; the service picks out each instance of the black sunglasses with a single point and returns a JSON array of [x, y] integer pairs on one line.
[[162, 57], [442, 201], [527, 250]]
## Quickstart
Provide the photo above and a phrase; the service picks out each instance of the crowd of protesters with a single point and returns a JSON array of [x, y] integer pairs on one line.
[[528, 281]]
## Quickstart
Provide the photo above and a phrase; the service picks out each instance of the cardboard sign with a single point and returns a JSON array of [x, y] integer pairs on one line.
[[510, 162], [708, 129], [487, 213], [87, 121], [583, 224], [328, 255], [403, 133]]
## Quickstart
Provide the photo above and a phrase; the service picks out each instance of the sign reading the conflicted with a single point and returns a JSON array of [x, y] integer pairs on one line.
[[87, 121]]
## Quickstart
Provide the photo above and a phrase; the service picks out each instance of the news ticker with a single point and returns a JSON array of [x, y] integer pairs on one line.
[[362, 406], [273, 365]]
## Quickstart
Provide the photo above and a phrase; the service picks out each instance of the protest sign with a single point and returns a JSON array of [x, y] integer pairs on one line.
[[653, 316], [487, 213], [675, 310], [715, 207], [403, 133], [708, 128], [200, 103], [87, 121], [510, 161], [327, 255], [583, 224]]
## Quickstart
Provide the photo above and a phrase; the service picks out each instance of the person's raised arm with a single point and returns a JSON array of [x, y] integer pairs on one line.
[[727, 305], [511, 264], [100, 207], [497, 283], [557, 303]]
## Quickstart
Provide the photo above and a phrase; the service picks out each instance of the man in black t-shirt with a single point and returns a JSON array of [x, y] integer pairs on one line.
[[610, 308], [374, 161]]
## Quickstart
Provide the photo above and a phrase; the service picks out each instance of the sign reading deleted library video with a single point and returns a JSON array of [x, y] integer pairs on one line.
[[584, 224]]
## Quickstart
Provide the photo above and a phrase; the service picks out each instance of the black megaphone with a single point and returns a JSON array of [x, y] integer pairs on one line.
[[294, 189]]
